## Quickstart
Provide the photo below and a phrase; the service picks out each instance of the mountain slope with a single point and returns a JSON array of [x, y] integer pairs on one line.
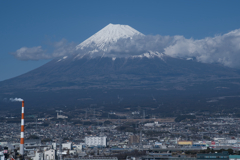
[[119, 73], [83, 79], [173, 82]]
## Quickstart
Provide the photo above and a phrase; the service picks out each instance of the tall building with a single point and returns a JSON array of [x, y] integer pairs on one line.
[[96, 141]]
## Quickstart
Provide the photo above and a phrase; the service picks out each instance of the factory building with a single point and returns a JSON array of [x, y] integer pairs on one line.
[[185, 143], [234, 157], [96, 141], [214, 156]]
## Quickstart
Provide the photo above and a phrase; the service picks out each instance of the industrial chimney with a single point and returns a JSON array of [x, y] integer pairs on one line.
[[22, 132]]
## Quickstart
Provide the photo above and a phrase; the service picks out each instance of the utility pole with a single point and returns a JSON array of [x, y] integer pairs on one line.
[[36, 122], [143, 114], [140, 145], [60, 143], [60, 148]]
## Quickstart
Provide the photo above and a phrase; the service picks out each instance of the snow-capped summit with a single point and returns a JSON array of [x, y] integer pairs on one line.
[[107, 36], [104, 43]]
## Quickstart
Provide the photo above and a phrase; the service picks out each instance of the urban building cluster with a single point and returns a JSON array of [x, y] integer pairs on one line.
[[186, 139]]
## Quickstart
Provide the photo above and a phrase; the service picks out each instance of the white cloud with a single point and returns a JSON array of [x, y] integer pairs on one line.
[[224, 49], [33, 53], [60, 48]]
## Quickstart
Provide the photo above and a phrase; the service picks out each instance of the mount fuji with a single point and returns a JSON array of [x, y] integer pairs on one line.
[[99, 74], [108, 36]]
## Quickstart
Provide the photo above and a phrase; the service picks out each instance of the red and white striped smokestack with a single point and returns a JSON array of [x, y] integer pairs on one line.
[[22, 131]]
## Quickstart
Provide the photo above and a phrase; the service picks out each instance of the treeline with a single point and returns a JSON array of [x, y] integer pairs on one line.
[[185, 117]]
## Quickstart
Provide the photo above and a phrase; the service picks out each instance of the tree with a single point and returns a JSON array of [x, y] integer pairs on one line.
[[33, 137], [46, 140], [230, 151], [185, 117]]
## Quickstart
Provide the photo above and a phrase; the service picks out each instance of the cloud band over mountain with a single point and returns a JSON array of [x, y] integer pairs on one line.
[[224, 49], [61, 48]]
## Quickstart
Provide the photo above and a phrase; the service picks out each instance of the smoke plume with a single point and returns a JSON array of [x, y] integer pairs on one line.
[[16, 99]]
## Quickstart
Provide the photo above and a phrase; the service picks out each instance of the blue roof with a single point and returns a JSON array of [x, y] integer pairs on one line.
[[234, 156]]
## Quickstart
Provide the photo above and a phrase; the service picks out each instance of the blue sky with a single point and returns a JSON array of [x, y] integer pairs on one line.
[[37, 23]]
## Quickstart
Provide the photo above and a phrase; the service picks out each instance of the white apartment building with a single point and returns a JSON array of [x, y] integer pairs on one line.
[[96, 141], [67, 145], [50, 154], [38, 156], [2, 157]]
